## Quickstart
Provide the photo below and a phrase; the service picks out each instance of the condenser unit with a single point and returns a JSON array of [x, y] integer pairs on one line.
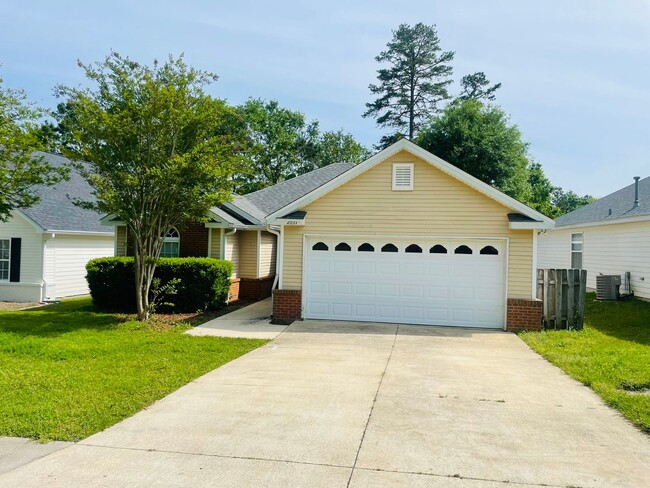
[[607, 287]]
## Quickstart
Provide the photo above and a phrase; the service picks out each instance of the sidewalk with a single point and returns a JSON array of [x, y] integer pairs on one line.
[[251, 322]]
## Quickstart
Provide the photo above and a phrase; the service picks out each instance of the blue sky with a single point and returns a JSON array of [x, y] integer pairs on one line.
[[575, 73]]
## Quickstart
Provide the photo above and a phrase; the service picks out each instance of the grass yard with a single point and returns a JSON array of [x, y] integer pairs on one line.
[[67, 371], [611, 355]]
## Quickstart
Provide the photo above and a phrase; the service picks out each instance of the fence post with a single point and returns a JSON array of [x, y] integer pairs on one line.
[[570, 299], [581, 299]]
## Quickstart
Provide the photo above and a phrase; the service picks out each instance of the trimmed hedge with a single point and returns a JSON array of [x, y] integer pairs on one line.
[[204, 283]]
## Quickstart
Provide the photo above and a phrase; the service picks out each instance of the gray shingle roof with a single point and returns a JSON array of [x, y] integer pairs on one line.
[[56, 212], [273, 198], [617, 205]]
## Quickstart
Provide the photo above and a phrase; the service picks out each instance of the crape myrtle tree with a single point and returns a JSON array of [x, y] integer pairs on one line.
[[158, 151], [21, 170], [414, 81]]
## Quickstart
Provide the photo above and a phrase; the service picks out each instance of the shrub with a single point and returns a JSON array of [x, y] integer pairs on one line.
[[204, 283]]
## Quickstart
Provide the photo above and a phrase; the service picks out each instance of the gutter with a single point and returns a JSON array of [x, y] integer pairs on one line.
[[44, 284]]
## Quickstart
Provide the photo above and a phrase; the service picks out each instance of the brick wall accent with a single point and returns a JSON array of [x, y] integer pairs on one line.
[[524, 314], [233, 293], [256, 288], [194, 241], [287, 306]]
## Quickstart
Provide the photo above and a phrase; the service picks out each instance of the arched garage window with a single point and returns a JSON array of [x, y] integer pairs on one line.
[[489, 250], [366, 247], [320, 246], [171, 244], [463, 250], [438, 249], [413, 248], [389, 248], [343, 246]]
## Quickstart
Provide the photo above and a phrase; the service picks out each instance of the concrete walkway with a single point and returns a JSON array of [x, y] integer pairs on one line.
[[17, 451], [250, 322], [352, 405]]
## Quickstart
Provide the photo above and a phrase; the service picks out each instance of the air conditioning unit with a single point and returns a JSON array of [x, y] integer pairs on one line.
[[607, 287]]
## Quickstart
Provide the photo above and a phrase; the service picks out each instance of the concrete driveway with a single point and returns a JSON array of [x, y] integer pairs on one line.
[[330, 404]]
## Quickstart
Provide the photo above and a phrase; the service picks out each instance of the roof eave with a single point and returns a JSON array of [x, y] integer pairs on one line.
[[599, 223]]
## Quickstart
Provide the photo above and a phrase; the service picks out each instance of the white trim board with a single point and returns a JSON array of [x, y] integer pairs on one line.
[[451, 170]]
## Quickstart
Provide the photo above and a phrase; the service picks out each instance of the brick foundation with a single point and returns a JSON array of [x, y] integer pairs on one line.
[[287, 306], [233, 294], [524, 314], [256, 289]]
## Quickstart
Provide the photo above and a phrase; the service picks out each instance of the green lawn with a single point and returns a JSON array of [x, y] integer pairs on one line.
[[611, 355], [67, 371]]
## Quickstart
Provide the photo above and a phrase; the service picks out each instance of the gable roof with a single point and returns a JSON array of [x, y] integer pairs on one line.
[[613, 207], [255, 207], [55, 211], [540, 220]]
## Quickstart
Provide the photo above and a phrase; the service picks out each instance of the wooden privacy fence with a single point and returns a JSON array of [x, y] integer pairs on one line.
[[562, 292]]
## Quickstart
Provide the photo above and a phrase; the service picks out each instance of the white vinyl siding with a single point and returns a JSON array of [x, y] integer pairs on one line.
[[608, 249], [248, 254], [66, 257], [29, 287], [215, 243]]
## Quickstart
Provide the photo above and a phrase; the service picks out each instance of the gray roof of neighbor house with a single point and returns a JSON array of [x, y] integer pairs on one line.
[[56, 212], [617, 205], [264, 202]]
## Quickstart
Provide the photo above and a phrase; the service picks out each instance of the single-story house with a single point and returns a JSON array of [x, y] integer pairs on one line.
[[608, 236], [44, 248], [403, 237]]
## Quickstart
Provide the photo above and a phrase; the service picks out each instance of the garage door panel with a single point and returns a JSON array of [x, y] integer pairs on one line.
[[416, 288], [365, 289], [341, 288]]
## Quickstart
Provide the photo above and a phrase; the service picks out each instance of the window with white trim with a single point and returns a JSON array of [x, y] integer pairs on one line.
[[402, 176], [5, 256], [576, 250], [171, 244]]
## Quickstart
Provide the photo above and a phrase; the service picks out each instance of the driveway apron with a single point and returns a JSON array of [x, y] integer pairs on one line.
[[337, 404]]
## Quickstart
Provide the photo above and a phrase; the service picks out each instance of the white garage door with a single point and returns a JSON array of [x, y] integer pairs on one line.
[[459, 282]]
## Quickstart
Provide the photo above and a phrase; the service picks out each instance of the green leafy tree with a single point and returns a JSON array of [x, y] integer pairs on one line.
[[157, 150], [57, 136], [540, 191], [568, 201], [283, 144], [21, 171], [481, 141], [335, 147], [415, 81], [279, 139], [477, 87]]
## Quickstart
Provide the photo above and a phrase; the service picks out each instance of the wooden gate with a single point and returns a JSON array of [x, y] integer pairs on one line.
[[562, 292]]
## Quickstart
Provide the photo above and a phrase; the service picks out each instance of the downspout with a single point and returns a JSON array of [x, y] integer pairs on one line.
[[43, 280], [222, 251], [278, 255]]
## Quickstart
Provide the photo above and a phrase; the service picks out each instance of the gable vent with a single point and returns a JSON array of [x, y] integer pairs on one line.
[[403, 176]]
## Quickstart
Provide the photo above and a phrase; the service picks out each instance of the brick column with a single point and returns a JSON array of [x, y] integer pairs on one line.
[[524, 314], [287, 306]]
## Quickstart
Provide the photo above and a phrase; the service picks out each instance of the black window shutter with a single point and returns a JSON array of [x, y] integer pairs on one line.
[[14, 263]]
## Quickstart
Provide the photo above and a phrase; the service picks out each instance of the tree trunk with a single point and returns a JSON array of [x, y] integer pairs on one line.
[[145, 266]]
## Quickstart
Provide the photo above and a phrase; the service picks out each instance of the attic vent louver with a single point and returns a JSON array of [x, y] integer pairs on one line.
[[403, 176]]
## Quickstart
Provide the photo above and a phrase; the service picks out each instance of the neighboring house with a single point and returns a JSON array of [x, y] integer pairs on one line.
[[403, 237], [608, 236], [44, 248]]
